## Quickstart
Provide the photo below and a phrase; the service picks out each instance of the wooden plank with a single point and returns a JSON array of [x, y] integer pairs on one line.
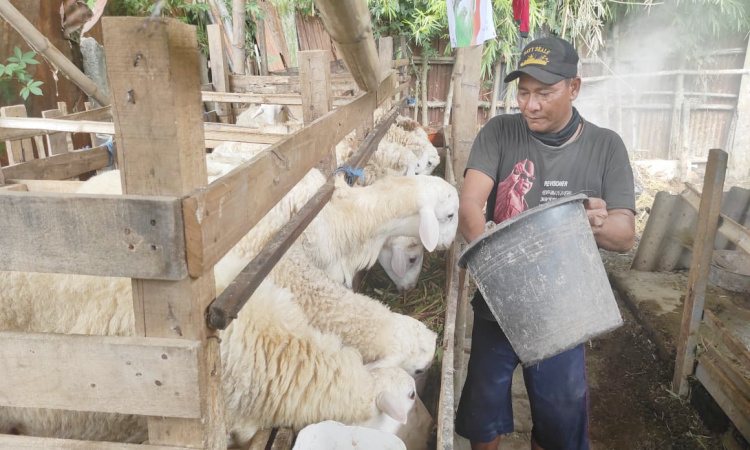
[[60, 167], [211, 234], [387, 88], [128, 236], [723, 358], [57, 143], [99, 114], [728, 228], [385, 56], [260, 440], [227, 306], [446, 410], [129, 375], [14, 187], [349, 25], [160, 123], [735, 345], [219, 69], [708, 221], [237, 133], [20, 150], [60, 187], [37, 443], [40, 126], [242, 97], [283, 439], [726, 395], [465, 99]]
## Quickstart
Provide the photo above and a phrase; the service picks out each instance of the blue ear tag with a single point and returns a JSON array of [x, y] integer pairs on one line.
[[351, 174]]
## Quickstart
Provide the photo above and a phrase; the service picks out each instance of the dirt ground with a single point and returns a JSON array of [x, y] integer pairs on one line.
[[632, 406]]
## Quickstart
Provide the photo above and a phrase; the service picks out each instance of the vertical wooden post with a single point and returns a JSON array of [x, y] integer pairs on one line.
[[156, 107], [685, 151], [238, 46], [425, 108], [315, 84], [740, 151], [703, 247], [219, 70], [675, 144], [317, 97], [20, 150], [57, 143], [465, 101], [262, 49]]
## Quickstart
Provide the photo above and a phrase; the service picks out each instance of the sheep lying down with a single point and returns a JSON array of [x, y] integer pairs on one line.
[[277, 369]]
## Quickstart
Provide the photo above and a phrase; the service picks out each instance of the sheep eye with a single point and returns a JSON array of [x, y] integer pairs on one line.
[[412, 260], [429, 164], [450, 216], [418, 371], [412, 395]]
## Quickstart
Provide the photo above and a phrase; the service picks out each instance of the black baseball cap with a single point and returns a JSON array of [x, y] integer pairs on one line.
[[548, 59]]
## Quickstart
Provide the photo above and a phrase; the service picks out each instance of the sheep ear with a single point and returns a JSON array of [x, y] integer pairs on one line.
[[411, 170], [379, 364], [398, 261], [389, 403], [429, 229]]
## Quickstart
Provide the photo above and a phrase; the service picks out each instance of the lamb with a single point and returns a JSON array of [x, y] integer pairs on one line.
[[277, 370], [349, 232]]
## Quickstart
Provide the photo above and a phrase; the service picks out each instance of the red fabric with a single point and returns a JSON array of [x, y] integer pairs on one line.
[[521, 15]]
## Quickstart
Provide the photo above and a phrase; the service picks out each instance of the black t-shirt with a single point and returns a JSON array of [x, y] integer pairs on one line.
[[528, 173]]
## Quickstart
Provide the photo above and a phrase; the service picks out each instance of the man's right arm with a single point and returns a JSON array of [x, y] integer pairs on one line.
[[474, 193]]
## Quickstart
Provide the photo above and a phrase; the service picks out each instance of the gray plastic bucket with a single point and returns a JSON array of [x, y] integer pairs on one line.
[[543, 279]]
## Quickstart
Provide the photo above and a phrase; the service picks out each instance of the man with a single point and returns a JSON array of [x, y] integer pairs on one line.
[[520, 161]]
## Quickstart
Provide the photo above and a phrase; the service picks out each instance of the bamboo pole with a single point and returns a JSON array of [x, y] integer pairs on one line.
[[348, 23], [238, 46], [42, 45], [496, 88], [458, 59], [425, 108], [666, 73]]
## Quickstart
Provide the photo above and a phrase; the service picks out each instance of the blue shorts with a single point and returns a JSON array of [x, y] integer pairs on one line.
[[557, 388]]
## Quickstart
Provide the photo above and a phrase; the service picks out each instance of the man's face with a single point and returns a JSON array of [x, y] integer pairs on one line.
[[547, 107]]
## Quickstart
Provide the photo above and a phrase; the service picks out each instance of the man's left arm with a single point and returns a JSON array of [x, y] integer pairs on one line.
[[614, 229]]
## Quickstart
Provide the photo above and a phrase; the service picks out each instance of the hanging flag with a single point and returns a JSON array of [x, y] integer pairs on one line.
[[470, 22]]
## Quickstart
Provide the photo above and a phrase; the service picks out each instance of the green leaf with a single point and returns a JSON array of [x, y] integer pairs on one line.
[[14, 59], [35, 90], [19, 54], [25, 93], [28, 58], [34, 84], [10, 68]]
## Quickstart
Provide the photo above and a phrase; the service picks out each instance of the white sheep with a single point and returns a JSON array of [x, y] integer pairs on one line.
[[383, 337], [401, 257], [350, 231], [277, 369], [409, 133]]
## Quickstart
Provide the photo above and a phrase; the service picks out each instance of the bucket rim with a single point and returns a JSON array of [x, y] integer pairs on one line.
[[462, 259]]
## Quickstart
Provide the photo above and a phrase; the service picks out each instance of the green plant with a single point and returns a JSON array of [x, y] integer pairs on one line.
[[15, 69]]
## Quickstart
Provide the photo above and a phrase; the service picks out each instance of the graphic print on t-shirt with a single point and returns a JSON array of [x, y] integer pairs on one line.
[[511, 192], [554, 189]]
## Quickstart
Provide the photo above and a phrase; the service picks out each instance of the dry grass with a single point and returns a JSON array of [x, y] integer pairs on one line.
[[426, 302]]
